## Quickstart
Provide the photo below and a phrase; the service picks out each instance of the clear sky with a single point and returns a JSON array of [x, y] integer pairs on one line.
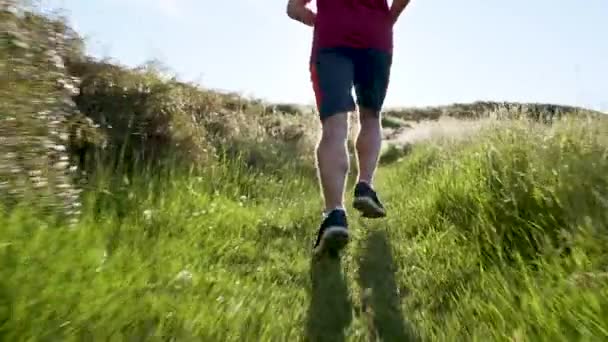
[[445, 50]]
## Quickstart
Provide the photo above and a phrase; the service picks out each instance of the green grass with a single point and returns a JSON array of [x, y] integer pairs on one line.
[[500, 237]]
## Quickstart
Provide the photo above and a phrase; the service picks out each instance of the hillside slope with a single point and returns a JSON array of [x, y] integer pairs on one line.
[[498, 237]]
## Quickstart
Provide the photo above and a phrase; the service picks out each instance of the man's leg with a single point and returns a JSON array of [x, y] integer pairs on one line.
[[372, 73], [332, 160], [368, 144], [332, 76]]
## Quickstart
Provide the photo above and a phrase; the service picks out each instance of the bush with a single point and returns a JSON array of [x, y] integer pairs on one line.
[[151, 119], [37, 115], [63, 112]]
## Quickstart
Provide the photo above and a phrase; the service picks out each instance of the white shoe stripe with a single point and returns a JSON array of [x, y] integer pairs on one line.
[[334, 229]]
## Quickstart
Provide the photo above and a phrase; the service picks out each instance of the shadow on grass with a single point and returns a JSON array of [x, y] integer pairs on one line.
[[330, 311], [381, 302]]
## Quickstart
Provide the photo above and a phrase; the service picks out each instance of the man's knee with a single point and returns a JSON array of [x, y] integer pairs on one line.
[[369, 117], [335, 127]]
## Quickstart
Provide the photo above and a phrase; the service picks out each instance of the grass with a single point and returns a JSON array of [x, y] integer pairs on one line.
[[499, 237]]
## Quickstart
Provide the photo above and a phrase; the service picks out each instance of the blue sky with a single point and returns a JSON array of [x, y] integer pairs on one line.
[[445, 51]]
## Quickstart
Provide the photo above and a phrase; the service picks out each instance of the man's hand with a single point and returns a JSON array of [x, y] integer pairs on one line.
[[397, 8], [297, 10]]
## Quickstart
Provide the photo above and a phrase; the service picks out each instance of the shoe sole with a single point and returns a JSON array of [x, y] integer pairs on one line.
[[333, 240], [368, 208]]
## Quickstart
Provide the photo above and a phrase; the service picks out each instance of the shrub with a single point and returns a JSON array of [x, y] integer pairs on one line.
[[63, 112], [37, 115]]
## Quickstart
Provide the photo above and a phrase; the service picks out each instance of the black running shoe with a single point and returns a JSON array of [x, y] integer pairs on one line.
[[367, 202], [333, 233]]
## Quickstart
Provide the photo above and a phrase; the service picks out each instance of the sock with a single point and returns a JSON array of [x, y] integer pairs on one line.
[[326, 212], [365, 182]]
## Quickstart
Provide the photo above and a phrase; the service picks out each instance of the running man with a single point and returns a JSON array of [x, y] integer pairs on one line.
[[352, 47]]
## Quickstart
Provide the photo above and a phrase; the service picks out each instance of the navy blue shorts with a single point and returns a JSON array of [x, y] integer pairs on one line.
[[335, 71]]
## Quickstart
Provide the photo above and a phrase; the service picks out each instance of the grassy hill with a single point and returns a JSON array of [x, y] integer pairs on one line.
[[544, 112], [501, 237], [196, 212]]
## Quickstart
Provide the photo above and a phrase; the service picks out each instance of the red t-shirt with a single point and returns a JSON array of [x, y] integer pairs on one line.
[[353, 23]]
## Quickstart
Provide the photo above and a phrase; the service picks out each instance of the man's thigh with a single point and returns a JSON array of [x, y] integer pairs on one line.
[[371, 78], [332, 75]]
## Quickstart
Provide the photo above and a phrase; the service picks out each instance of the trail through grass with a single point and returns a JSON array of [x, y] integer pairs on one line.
[[497, 237]]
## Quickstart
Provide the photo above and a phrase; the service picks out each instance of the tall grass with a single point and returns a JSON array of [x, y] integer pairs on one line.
[[497, 237]]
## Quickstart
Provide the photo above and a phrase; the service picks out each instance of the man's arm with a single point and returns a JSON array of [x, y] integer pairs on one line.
[[297, 10], [397, 8]]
